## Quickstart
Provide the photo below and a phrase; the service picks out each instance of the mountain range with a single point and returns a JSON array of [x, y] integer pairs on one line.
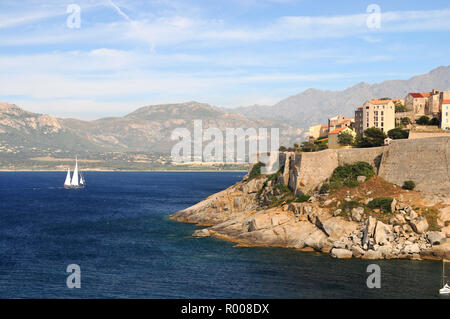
[[314, 106], [25, 135], [147, 129]]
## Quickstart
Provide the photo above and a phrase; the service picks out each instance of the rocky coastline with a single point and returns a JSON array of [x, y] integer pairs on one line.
[[253, 213]]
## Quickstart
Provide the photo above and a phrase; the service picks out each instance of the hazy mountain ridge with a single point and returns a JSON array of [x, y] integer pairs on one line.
[[315, 106], [147, 129]]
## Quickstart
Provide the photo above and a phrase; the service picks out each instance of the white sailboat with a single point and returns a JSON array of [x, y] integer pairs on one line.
[[77, 180], [446, 287]]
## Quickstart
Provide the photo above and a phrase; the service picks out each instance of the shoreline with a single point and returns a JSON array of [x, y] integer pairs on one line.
[[234, 215]]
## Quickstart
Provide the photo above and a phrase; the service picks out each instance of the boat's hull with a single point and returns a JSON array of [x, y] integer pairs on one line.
[[73, 187], [444, 291]]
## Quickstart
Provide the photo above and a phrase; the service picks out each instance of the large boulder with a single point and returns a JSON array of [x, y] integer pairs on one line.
[[393, 205], [444, 217], [419, 225], [254, 185], [318, 240], [337, 227], [357, 214], [436, 238], [372, 254], [397, 220], [368, 231], [383, 233], [341, 253], [202, 233], [446, 231], [357, 251], [412, 249], [259, 221]]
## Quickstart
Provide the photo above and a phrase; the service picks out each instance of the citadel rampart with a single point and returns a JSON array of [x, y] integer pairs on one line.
[[425, 161]]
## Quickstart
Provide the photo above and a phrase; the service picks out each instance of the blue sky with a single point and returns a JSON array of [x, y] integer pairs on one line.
[[131, 53]]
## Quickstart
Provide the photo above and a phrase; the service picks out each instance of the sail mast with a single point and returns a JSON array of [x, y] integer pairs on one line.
[[75, 174]]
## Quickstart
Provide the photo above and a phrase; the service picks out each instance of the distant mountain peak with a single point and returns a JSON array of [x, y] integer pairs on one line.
[[314, 106]]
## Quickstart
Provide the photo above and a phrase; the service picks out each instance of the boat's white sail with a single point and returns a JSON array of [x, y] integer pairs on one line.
[[77, 180], [74, 181], [67, 182]]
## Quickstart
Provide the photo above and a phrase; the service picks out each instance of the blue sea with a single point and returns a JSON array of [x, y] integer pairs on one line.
[[117, 230]]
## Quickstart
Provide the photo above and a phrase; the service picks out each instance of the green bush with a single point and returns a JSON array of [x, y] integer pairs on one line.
[[398, 133], [256, 170], [347, 174], [301, 199], [372, 137], [434, 121], [383, 203], [282, 188], [351, 183], [410, 185], [345, 138], [423, 120], [325, 188]]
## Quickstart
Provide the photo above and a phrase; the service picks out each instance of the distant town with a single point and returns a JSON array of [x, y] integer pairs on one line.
[[380, 120]]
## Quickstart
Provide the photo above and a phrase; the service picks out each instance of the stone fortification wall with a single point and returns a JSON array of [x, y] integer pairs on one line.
[[425, 161]]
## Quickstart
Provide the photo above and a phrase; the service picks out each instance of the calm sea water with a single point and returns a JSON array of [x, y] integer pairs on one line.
[[117, 230]]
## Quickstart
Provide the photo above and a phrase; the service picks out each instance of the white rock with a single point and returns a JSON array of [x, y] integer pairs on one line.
[[361, 179], [341, 253], [436, 238], [419, 225], [357, 214]]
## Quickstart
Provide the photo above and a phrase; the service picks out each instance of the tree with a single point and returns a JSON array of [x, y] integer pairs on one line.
[[410, 185], [398, 133], [309, 147], [405, 120], [399, 107], [372, 137], [423, 120], [434, 121], [345, 138]]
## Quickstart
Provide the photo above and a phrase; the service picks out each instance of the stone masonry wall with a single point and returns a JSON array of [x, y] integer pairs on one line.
[[425, 161]]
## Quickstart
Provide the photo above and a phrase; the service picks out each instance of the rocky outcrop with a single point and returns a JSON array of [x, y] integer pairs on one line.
[[263, 211], [237, 214]]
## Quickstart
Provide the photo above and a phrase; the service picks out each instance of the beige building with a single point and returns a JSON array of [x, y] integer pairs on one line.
[[339, 121], [445, 115], [333, 136], [380, 114], [314, 132], [317, 132], [417, 103], [429, 104]]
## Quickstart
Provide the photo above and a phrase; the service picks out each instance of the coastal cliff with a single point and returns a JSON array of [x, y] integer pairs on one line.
[[272, 210]]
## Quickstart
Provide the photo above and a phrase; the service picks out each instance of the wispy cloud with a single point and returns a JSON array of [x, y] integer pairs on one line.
[[165, 51]]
